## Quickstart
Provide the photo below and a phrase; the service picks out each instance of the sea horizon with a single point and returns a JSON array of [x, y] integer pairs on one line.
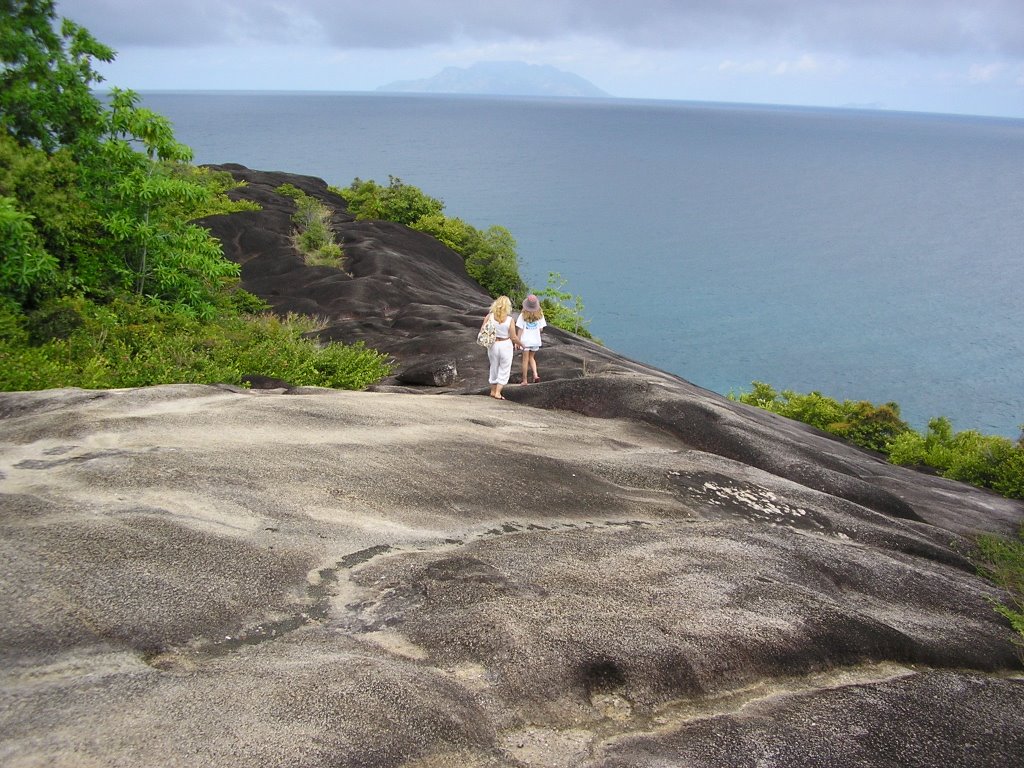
[[639, 100]]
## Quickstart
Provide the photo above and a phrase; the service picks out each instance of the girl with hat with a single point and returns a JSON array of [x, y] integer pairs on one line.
[[530, 323]]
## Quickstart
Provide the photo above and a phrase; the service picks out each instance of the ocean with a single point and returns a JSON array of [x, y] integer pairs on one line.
[[863, 254]]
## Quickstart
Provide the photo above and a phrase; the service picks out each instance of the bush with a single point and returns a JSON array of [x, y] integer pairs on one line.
[[104, 279], [55, 319], [314, 237], [987, 461], [991, 461], [26, 269], [561, 308], [857, 421], [490, 256], [131, 344], [399, 202], [1001, 560]]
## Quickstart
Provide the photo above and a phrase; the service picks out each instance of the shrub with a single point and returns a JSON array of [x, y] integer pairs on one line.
[[314, 237], [130, 344], [857, 421], [1001, 560], [986, 461], [562, 308], [1008, 478], [490, 255], [26, 268], [399, 202], [104, 279], [55, 319]]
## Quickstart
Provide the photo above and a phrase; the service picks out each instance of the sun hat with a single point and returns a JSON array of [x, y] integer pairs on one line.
[[531, 303]]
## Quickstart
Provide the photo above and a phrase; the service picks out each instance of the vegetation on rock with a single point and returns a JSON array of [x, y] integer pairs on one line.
[[105, 281], [490, 255], [986, 461], [314, 236], [1002, 561], [73, 342]]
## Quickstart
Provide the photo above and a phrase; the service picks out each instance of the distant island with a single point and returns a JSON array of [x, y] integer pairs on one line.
[[500, 78]]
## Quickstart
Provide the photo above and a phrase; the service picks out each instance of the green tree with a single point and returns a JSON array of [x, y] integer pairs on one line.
[[495, 265], [46, 77], [26, 265], [45, 187], [127, 227], [104, 281], [140, 194], [562, 308]]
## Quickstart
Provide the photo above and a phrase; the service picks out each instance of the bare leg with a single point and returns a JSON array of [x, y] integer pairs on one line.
[[526, 364], [533, 365]]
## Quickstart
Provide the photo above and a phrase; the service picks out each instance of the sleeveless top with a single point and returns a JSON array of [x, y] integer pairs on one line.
[[501, 332]]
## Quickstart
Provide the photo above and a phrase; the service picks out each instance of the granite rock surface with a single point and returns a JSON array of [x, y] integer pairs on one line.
[[612, 568]]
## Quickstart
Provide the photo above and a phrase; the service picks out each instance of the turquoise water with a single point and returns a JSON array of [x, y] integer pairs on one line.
[[868, 255]]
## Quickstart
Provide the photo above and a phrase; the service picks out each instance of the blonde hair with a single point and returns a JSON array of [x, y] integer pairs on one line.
[[501, 308], [532, 316]]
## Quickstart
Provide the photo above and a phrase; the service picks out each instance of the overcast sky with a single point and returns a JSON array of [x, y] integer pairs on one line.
[[955, 56]]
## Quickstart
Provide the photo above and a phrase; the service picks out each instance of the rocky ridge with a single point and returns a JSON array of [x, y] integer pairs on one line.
[[613, 568]]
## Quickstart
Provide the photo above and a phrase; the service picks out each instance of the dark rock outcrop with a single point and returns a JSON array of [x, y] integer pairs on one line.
[[614, 568], [431, 373]]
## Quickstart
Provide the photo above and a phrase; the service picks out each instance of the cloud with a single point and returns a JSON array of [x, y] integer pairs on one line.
[[985, 73], [802, 65], [866, 27], [925, 55]]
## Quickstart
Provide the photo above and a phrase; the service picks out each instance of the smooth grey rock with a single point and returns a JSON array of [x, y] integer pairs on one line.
[[612, 568]]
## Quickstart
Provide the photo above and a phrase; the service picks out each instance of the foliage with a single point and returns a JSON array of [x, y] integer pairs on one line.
[[1002, 561], [399, 202], [860, 422], [44, 187], [26, 266], [495, 265], [130, 343], [314, 236], [987, 461], [172, 262], [104, 281], [103, 184], [216, 202], [46, 78], [991, 461], [562, 308], [490, 255]]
